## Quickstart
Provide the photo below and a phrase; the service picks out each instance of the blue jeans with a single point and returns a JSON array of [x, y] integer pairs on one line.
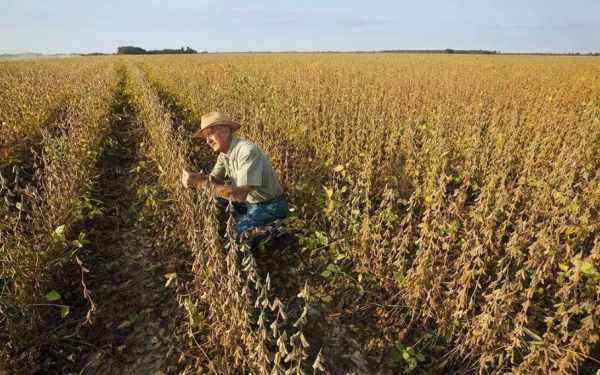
[[251, 215]]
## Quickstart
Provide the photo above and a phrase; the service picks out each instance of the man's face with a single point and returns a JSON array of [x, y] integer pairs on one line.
[[217, 138]]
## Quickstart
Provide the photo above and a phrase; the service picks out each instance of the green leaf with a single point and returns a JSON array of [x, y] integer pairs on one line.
[[412, 363], [326, 273], [59, 233], [52, 296], [399, 278], [64, 311], [588, 268], [563, 267], [321, 237], [96, 212], [333, 269], [80, 241], [574, 208]]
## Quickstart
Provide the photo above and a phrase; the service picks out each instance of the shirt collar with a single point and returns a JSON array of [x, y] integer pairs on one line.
[[232, 144]]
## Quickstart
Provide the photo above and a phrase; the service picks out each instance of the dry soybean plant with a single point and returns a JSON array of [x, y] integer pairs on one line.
[[466, 185], [42, 190]]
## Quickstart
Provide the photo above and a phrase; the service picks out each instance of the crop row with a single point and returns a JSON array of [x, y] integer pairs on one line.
[[45, 195], [246, 327]]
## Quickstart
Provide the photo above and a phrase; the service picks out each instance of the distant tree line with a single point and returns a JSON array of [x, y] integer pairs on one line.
[[447, 50], [131, 50]]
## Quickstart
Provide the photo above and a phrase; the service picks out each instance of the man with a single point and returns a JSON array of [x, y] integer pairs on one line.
[[255, 191]]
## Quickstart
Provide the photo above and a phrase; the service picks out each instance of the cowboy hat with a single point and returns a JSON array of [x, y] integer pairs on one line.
[[213, 119]]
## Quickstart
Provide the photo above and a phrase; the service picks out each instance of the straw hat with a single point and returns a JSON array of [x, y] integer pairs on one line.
[[213, 119]]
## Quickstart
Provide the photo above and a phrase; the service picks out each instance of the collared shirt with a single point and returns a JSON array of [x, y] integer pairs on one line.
[[246, 165]]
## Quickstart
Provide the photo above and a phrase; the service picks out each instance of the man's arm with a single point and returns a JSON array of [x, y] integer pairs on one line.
[[200, 181], [215, 180], [233, 193]]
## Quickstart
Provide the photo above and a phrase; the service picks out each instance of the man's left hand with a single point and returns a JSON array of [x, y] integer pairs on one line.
[[193, 179]]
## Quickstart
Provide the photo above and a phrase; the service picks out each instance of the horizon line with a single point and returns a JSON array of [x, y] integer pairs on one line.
[[440, 51]]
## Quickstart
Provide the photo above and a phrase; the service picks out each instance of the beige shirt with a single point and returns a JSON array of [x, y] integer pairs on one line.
[[246, 165]]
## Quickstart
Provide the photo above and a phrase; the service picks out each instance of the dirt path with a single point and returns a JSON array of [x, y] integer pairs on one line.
[[135, 327]]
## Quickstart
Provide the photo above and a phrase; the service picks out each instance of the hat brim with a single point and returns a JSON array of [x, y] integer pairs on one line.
[[231, 124]]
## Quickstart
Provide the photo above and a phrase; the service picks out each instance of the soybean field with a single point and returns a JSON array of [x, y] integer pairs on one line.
[[445, 216]]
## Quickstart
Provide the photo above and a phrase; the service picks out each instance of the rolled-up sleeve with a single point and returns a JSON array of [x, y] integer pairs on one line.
[[218, 170], [250, 165]]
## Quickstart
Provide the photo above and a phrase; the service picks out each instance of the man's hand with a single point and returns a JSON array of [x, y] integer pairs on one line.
[[199, 180], [192, 179]]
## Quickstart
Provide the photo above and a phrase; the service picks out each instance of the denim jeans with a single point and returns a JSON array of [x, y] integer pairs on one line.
[[251, 215]]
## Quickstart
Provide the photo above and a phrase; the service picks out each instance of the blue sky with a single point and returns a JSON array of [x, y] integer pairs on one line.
[[511, 26]]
